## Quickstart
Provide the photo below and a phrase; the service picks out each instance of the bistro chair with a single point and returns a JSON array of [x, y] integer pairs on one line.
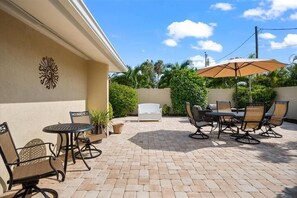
[[252, 121], [197, 120], [35, 148], [88, 138], [228, 121], [28, 172], [280, 109]]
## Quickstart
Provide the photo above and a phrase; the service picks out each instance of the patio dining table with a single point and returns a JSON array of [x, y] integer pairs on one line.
[[73, 130], [219, 115]]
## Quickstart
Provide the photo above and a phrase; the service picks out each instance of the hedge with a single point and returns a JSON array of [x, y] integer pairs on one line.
[[123, 99]]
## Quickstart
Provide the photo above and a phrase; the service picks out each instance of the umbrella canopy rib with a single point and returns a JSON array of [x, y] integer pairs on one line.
[[263, 68], [222, 69]]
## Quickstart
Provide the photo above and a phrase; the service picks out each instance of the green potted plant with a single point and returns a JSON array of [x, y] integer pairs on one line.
[[100, 120]]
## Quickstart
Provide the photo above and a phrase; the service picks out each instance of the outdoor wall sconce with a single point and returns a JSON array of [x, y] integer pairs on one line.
[[48, 72]]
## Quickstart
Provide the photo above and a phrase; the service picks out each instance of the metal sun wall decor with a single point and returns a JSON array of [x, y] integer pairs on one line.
[[48, 72]]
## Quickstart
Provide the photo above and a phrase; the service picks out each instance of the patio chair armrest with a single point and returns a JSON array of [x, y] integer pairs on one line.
[[32, 146], [51, 146]]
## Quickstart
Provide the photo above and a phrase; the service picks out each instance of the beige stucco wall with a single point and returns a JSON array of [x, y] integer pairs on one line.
[[290, 94], [160, 96], [27, 105], [97, 97], [219, 94]]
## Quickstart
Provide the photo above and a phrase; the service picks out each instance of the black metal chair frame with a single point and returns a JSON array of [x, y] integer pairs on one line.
[[246, 136], [228, 123], [89, 148], [269, 132], [198, 122], [29, 183]]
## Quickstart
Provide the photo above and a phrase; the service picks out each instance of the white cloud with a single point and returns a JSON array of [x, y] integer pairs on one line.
[[293, 16], [199, 61], [289, 41], [267, 36], [222, 6], [188, 28], [208, 45], [170, 42], [255, 12], [270, 9]]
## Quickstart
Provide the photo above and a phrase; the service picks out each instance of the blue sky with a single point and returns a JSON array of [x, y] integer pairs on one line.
[[178, 30]]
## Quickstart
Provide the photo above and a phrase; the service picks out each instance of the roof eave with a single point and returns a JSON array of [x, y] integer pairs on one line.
[[83, 28], [82, 9]]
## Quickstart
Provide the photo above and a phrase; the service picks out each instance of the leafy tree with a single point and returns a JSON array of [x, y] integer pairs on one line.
[[227, 82], [169, 70], [260, 93], [186, 85], [292, 73], [275, 78], [292, 79]]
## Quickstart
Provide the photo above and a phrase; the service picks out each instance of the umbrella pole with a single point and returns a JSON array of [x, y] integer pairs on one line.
[[250, 89], [236, 105]]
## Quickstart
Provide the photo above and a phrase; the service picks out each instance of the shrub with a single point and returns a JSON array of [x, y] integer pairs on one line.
[[166, 109], [260, 93], [110, 110], [187, 86], [123, 99]]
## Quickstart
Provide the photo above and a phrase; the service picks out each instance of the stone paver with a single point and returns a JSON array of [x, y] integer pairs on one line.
[[158, 159]]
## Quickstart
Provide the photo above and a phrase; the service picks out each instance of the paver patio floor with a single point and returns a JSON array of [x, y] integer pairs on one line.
[[158, 159]]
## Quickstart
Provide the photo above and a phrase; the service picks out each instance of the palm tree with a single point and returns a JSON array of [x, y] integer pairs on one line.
[[128, 78], [158, 69], [146, 76]]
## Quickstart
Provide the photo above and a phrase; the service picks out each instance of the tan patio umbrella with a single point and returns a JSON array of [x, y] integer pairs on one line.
[[240, 67]]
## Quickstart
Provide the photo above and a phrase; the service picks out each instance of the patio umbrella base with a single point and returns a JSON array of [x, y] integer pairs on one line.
[[247, 139]]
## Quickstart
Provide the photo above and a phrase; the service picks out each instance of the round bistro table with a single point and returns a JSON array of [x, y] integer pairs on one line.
[[72, 130]]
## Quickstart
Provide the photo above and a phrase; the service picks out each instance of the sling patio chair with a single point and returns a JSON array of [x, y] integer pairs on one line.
[[35, 148], [197, 120], [88, 138], [28, 172], [228, 121], [280, 109], [252, 121]]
